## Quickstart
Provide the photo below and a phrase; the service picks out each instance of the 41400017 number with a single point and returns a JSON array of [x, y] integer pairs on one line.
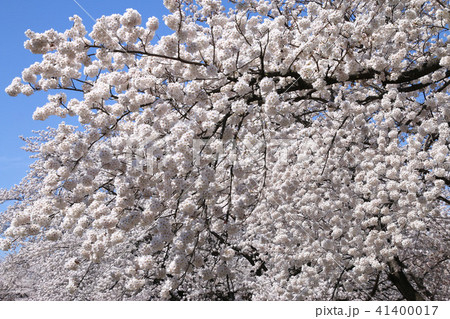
[[407, 310]]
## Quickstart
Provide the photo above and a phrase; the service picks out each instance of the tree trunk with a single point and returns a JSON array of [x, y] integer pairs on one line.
[[399, 279]]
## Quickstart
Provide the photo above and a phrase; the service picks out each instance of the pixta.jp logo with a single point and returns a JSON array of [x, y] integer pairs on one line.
[[150, 154]]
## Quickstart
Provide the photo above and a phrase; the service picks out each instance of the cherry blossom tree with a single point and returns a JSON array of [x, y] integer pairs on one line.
[[277, 150]]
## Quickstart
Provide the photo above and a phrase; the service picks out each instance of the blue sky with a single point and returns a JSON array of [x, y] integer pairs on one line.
[[16, 17]]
